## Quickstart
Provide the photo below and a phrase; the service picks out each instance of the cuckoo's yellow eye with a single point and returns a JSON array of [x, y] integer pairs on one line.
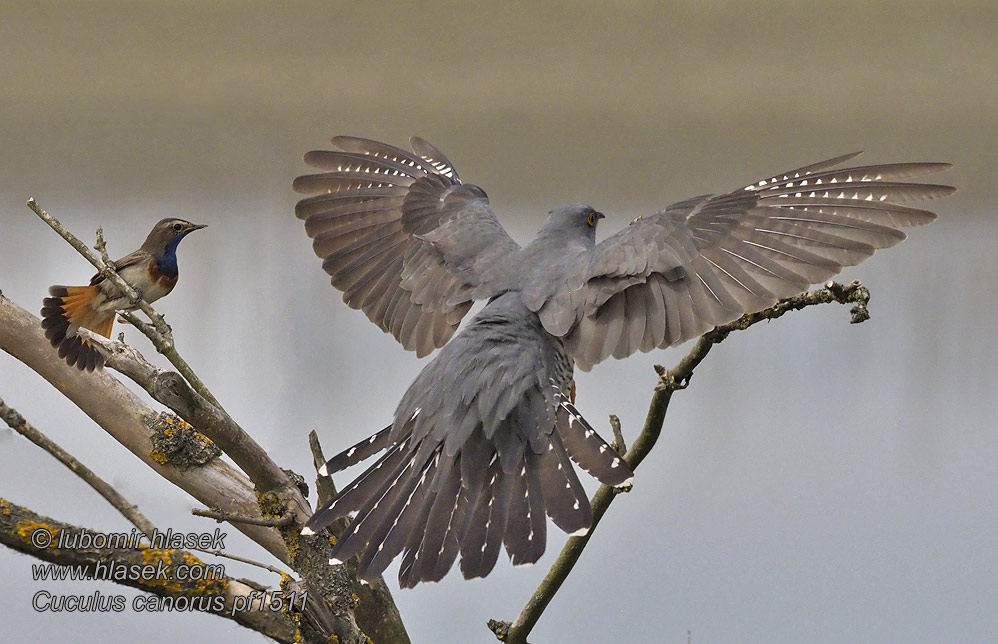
[[591, 218]]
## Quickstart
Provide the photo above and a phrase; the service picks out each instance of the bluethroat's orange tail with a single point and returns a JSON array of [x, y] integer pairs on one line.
[[70, 308]]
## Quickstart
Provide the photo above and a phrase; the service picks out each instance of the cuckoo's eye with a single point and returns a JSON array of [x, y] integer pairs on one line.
[[591, 218], [178, 227]]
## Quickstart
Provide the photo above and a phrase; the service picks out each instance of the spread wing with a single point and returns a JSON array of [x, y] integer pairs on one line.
[[706, 261], [402, 237]]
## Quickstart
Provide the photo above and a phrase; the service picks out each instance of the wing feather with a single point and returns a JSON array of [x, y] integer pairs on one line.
[[367, 210], [707, 260]]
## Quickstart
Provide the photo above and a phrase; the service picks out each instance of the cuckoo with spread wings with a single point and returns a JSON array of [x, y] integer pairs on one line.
[[482, 445]]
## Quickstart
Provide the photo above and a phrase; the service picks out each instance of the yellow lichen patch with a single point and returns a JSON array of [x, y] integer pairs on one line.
[[4, 507], [291, 538], [210, 587], [153, 556], [198, 436], [177, 425], [190, 559], [168, 560], [27, 528], [176, 442], [287, 606], [270, 505], [211, 583]]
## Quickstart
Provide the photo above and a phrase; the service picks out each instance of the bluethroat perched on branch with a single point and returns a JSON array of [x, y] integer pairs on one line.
[[151, 271]]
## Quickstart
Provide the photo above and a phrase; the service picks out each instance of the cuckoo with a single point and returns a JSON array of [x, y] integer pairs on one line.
[[481, 447]]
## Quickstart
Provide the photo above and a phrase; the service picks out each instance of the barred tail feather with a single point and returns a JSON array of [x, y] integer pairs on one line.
[[526, 528], [357, 453], [428, 563], [565, 499], [357, 493], [457, 531], [589, 450], [381, 509], [431, 507], [447, 524], [480, 549], [412, 543], [391, 537]]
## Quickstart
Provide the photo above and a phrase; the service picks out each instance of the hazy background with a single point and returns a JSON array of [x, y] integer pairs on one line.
[[818, 482]]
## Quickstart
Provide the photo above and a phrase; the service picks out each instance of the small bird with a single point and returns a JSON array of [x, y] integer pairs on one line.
[[151, 271], [482, 443]]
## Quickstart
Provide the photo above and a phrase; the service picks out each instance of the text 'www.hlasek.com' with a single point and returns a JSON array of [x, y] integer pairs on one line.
[[160, 564]]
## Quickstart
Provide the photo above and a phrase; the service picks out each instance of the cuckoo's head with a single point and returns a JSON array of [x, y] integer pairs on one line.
[[167, 234], [573, 218]]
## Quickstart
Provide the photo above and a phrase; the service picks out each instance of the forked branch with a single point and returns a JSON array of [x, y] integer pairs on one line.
[[193, 402], [159, 333], [670, 380], [212, 481]]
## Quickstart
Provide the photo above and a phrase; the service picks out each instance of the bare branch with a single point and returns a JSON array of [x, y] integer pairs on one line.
[[618, 436], [214, 483], [160, 334], [125, 417], [330, 600], [129, 510], [251, 562], [499, 628], [216, 593], [672, 380], [170, 389], [323, 484], [220, 516]]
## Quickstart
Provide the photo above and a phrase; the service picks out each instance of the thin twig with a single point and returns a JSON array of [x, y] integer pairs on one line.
[[129, 510], [226, 555], [121, 413], [106, 269], [220, 516], [200, 407], [323, 484], [160, 333], [672, 380], [618, 436]]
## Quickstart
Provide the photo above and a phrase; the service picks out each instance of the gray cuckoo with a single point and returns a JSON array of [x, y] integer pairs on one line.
[[482, 444]]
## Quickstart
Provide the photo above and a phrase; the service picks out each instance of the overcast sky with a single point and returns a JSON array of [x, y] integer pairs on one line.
[[818, 482]]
